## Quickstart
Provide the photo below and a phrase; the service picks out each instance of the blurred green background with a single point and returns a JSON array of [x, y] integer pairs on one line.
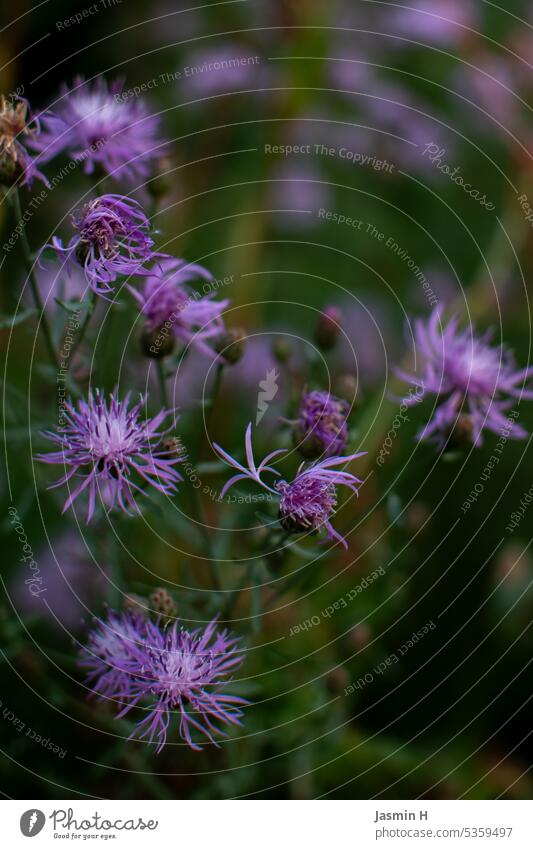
[[451, 718]]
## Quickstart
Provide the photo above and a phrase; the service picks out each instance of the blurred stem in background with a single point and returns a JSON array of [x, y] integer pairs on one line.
[[160, 368], [91, 305], [42, 319]]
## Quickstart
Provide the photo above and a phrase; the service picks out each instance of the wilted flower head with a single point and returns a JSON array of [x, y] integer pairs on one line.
[[105, 446], [97, 125], [309, 502], [134, 661], [470, 377], [112, 239], [193, 317], [17, 125], [322, 428]]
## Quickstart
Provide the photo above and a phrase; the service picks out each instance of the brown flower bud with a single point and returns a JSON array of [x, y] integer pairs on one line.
[[158, 343], [162, 603], [163, 180], [282, 349], [174, 447], [328, 328], [231, 345]]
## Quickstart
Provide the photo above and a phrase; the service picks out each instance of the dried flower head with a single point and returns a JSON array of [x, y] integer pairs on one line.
[[328, 328], [112, 239], [17, 125]]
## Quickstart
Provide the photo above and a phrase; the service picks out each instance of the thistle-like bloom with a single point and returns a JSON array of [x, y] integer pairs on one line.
[[192, 317], [97, 125], [112, 239], [322, 428], [17, 125], [106, 446], [134, 661], [309, 501], [475, 381]]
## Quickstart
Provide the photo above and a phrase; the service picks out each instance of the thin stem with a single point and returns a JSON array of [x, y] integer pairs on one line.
[[204, 530], [84, 326], [212, 400], [162, 384], [239, 591], [42, 319]]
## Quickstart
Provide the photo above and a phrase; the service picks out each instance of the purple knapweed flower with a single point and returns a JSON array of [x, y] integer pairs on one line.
[[310, 500], [112, 239], [475, 381], [103, 128], [17, 125], [227, 67], [137, 662], [322, 427], [440, 22], [193, 317], [105, 445]]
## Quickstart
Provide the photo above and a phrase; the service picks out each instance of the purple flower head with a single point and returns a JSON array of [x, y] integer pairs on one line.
[[104, 445], [194, 318], [306, 504], [134, 661], [226, 68], [17, 125], [295, 189], [439, 22], [97, 125], [112, 239], [322, 426], [474, 380]]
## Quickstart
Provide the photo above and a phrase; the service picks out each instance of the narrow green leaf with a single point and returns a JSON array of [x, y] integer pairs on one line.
[[12, 320]]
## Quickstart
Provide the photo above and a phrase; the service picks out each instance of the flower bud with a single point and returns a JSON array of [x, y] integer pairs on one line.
[[231, 345], [328, 328], [282, 349], [163, 603], [337, 679], [360, 636], [322, 428], [174, 447], [346, 387], [158, 343], [163, 180]]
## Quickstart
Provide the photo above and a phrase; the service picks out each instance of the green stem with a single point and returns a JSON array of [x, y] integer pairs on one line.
[[204, 530], [162, 384], [42, 319], [211, 401], [237, 593], [84, 326]]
